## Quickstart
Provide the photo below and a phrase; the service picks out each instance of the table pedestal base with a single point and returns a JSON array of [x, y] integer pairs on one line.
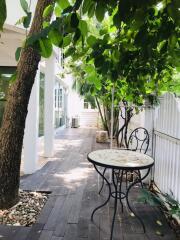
[[117, 194]]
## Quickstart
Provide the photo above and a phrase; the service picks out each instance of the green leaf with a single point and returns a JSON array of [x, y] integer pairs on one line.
[[89, 68], [68, 10], [117, 20], [63, 4], [57, 11], [91, 40], [74, 20], [83, 27], [24, 5], [77, 35], [13, 77], [91, 10], [100, 11], [86, 6], [18, 53], [20, 21], [55, 37], [116, 55], [98, 61], [67, 40], [46, 24], [3, 13], [70, 51], [77, 4], [48, 11], [27, 20], [45, 47]]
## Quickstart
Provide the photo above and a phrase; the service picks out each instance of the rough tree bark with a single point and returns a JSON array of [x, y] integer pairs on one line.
[[12, 130]]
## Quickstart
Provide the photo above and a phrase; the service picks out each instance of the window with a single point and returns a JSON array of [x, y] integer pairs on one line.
[[60, 98], [59, 119], [55, 98], [86, 104]]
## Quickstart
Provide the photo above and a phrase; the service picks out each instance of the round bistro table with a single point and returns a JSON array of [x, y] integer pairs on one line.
[[120, 161]]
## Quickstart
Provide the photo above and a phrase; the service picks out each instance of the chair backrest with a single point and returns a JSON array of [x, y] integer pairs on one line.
[[139, 140]]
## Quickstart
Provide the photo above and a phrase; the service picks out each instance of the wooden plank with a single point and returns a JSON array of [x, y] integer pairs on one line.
[[35, 231], [22, 233], [136, 236], [62, 220], [76, 206], [93, 232], [105, 226], [7, 231], [46, 211], [82, 228], [71, 232], [56, 238], [46, 235], [52, 219]]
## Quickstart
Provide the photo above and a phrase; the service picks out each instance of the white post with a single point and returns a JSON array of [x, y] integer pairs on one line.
[[112, 117], [49, 107], [65, 107], [32, 129], [112, 126]]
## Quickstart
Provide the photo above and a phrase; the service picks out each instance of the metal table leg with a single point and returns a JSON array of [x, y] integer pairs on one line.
[[102, 181], [115, 203], [128, 202], [109, 187]]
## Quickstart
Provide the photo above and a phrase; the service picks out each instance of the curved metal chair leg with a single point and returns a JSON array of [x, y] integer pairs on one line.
[[102, 205], [102, 181], [126, 172], [120, 190], [127, 198]]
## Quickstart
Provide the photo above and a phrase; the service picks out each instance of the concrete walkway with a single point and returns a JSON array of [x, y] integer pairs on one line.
[[74, 185]]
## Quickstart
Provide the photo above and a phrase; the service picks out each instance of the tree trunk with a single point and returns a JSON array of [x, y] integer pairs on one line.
[[101, 115], [13, 124]]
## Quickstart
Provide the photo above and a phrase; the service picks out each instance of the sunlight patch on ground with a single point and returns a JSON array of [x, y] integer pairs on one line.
[[75, 175]]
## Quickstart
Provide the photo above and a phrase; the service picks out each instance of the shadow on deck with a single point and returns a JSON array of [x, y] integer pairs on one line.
[[74, 185]]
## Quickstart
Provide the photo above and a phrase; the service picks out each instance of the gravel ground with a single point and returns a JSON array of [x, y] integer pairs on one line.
[[26, 211]]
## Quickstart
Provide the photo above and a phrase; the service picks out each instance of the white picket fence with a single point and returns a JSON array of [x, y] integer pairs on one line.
[[163, 125], [166, 145]]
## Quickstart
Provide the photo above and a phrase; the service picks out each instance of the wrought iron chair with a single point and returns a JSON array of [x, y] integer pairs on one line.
[[138, 141]]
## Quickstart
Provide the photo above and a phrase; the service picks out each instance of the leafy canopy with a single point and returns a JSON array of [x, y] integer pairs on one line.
[[133, 44]]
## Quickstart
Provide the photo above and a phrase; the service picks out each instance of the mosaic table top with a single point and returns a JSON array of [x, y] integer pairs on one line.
[[120, 158]]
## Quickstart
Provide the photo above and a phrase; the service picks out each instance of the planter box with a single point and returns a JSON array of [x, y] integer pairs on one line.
[[101, 136]]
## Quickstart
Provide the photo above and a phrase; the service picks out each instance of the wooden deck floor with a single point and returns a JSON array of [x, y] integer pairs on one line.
[[74, 186]]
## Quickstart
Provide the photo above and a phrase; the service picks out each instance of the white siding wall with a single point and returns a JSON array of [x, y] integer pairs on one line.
[[89, 118]]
